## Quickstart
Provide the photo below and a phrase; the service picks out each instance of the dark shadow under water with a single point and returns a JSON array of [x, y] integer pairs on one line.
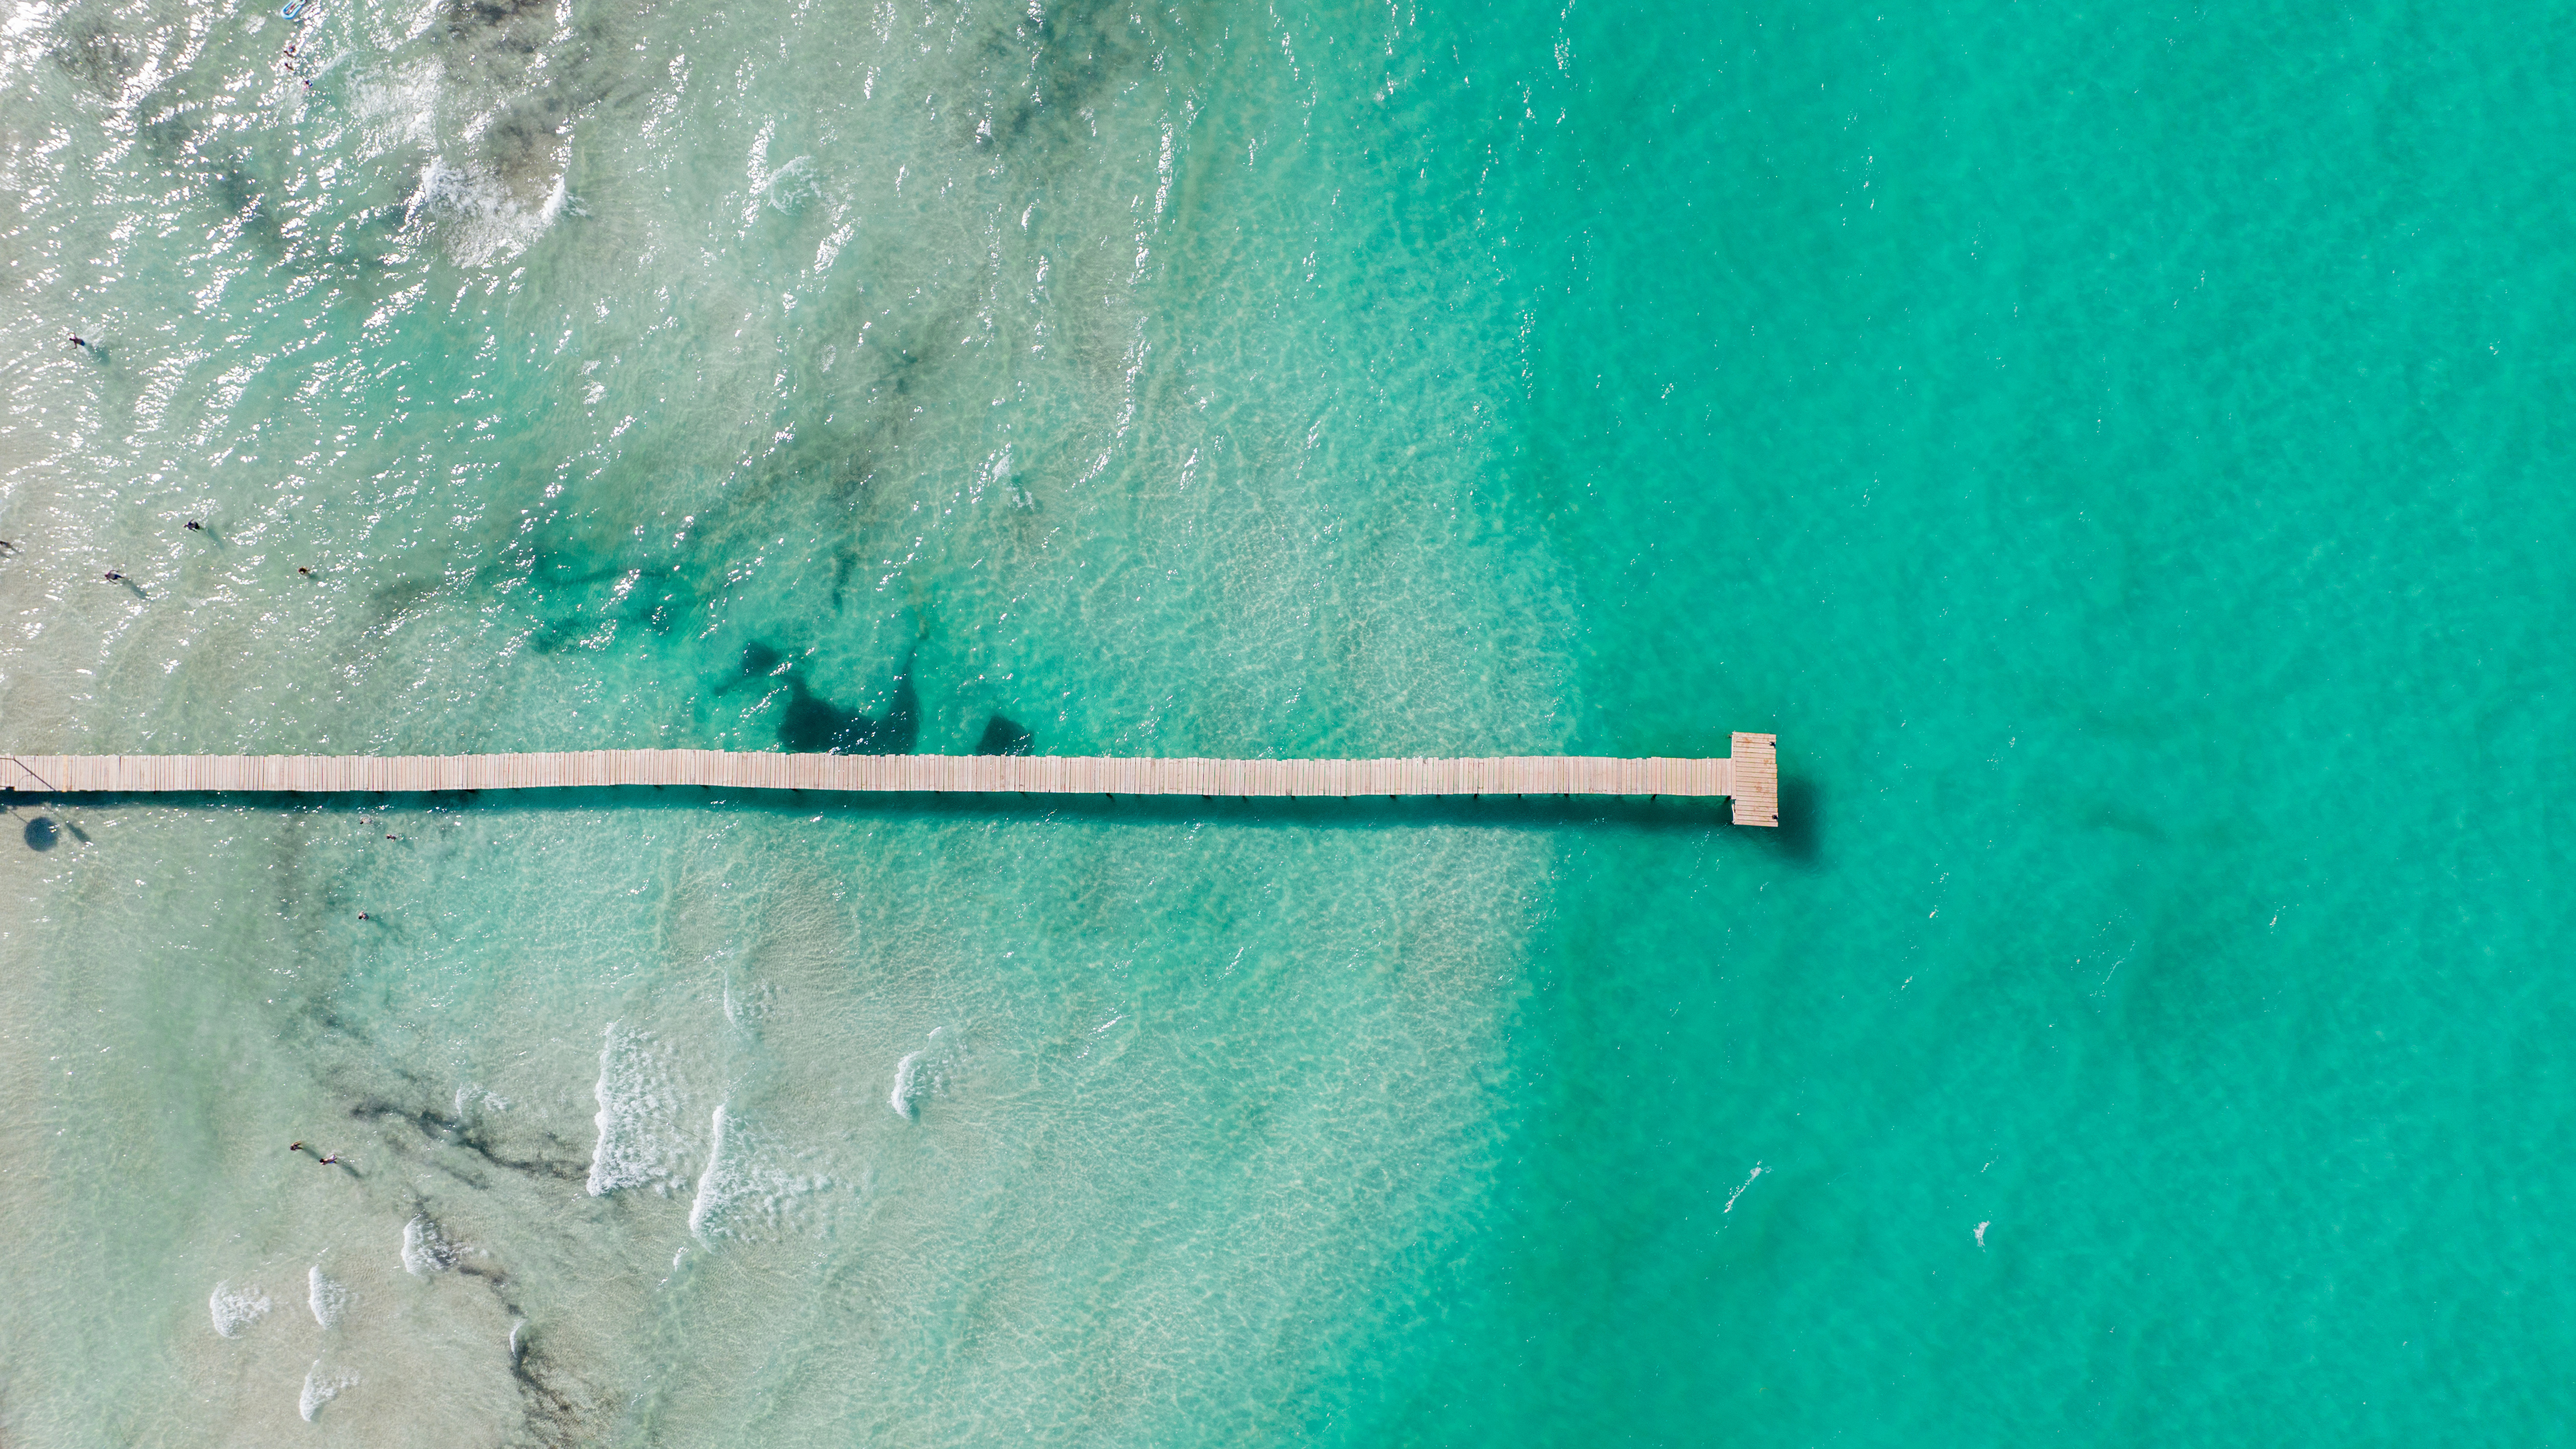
[[1005, 737], [813, 725], [1794, 842], [1799, 838]]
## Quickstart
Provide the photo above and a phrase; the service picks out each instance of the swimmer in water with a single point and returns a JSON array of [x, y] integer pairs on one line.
[[114, 577], [77, 342], [294, 1146], [195, 527], [301, 569]]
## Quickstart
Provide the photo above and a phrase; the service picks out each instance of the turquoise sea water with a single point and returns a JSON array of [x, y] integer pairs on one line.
[[2114, 452]]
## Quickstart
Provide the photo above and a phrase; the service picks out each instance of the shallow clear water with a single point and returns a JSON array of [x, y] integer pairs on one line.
[[2113, 453]]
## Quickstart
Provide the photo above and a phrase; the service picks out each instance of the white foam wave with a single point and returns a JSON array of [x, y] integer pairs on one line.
[[905, 1085], [791, 186], [426, 1249], [738, 1195], [321, 1386], [919, 1074], [1758, 1170], [329, 1300], [482, 218], [236, 1308], [639, 1141], [706, 1202]]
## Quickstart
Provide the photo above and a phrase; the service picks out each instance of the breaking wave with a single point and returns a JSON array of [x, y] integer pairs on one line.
[[236, 1308], [738, 1194], [640, 1143], [321, 1386], [329, 1300]]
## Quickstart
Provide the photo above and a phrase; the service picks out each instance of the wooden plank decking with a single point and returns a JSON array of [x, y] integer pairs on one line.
[[1750, 779]]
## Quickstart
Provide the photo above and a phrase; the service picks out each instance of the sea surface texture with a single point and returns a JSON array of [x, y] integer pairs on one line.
[[2119, 452]]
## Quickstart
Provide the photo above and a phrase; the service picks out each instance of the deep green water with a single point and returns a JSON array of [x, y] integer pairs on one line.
[[2114, 452]]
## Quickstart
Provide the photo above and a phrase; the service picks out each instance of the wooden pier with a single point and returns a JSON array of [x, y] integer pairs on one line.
[[1750, 779]]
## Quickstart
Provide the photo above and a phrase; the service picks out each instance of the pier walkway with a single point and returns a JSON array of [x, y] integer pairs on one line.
[[1750, 779]]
